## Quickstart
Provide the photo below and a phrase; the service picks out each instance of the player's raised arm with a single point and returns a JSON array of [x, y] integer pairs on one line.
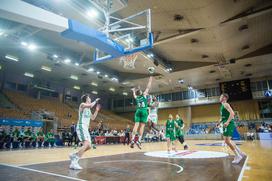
[[148, 86], [97, 109], [89, 105], [134, 92]]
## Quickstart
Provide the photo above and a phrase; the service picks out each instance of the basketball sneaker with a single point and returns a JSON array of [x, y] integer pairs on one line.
[[186, 147], [132, 144], [75, 166], [237, 159], [138, 143]]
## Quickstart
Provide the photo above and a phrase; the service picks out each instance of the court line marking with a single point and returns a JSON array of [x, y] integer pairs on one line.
[[144, 161], [39, 171], [243, 170]]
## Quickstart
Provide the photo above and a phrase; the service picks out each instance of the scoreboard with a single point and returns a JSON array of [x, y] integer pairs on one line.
[[237, 90]]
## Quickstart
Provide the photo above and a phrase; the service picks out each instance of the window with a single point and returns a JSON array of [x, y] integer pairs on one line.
[[270, 84], [185, 95], [21, 87], [176, 96]]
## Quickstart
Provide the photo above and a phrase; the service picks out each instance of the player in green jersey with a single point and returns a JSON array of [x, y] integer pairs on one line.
[[141, 113], [170, 133], [227, 118], [179, 131]]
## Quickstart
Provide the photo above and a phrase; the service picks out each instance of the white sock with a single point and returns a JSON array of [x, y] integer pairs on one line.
[[140, 138], [133, 137]]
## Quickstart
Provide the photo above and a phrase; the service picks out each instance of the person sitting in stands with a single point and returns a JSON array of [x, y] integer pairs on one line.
[[40, 137], [50, 137], [16, 138], [114, 132], [27, 137], [3, 135]]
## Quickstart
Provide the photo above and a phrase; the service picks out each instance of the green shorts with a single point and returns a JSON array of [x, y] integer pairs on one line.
[[228, 131], [141, 116], [171, 136], [179, 133]]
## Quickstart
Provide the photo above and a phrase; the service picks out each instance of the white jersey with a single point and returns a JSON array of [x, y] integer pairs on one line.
[[84, 117], [153, 110]]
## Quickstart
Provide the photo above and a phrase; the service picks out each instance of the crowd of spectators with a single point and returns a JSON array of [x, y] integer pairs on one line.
[[26, 138]]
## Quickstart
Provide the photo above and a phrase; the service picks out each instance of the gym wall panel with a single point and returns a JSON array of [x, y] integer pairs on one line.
[[205, 113], [248, 110]]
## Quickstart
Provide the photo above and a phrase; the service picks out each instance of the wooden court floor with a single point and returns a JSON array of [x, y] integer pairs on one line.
[[259, 165]]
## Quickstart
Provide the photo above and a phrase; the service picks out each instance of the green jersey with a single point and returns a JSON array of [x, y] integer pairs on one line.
[[27, 133], [224, 114], [141, 102], [40, 134], [16, 133], [170, 130], [170, 126], [179, 131]]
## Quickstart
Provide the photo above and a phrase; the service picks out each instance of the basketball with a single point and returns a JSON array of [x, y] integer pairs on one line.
[[151, 70]]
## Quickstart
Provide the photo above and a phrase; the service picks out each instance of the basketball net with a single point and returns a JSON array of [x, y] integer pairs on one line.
[[128, 61]]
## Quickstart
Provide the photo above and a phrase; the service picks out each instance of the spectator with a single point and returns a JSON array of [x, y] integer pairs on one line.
[[115, 132], [40, 137], [16, 138], [50, 137], [127, 135], [27, 137], [73, 133], [3, 135], [121, 133]]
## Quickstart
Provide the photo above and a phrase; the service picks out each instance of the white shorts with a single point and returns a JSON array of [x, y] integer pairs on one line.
[[83, 133], [153, 118]]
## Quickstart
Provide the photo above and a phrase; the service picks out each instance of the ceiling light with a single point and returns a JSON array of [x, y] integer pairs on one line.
[[92, 13], [94, 84], [76, 87], [98, 72], [106, 76], [125, 93], [74, 77], [29, 74], [24, 43], [112, 89], [76, 64], [67, 60], [90, 69], [10, 57], [114, 79], [32, 47], [169, 69], [94, 92], [0, 67], [1, 32], [46, 68], [55, 56]]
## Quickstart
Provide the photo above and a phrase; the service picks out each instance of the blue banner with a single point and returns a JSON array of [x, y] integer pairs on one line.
[[20, 122]]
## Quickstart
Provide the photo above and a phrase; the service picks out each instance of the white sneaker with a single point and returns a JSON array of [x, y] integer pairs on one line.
[[75, 166], [243, 154], [237, 159]]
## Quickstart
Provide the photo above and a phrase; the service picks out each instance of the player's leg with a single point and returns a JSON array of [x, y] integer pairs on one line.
[[238, 157], [168, 145], [174, 145], [85, 138], [134, 132]]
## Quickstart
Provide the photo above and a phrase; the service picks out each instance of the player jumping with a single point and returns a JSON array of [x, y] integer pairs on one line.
[[141, 113], [153, 113], [227, 118], [82, 129], [179, 131]]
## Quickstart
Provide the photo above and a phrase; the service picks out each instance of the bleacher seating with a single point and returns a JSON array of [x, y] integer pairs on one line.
[[203, 128], [26, 105], [4, 102]]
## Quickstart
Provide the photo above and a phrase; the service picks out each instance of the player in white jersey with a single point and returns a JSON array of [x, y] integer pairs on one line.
[[84, 117], [153, 113]]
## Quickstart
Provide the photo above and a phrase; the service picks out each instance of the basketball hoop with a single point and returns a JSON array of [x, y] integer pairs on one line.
[[128, 61]]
